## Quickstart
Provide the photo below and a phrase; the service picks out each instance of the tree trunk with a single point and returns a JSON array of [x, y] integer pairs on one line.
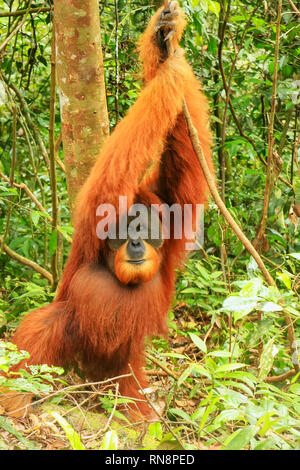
[[80, 81]]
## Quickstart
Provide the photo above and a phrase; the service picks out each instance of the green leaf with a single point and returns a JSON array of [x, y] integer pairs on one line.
[[229, 415], [42, 60], [7, 191], [269, 307], [53, 242], [266, 444], [200, 370], [155, 430], [186, 373], [3, 97], [193, 369], [295, 388], [240, 438], [182, 414], [192, 290], [7, 426], [208, 410], [220, 354], [295, 255], [35, 217], [252, 287], [214, 7], [110, 441], [241, 306], [198, 342], [202, 3], [267, 359]]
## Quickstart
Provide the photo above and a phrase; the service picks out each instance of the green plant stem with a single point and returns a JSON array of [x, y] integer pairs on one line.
[[53, 180]]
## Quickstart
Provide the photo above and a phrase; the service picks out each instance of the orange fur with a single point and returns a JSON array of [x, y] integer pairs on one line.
[[127, 273], [95, 319]]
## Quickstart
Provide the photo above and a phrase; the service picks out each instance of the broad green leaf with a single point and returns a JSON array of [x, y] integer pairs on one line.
[[192, 290], [252, 267], [202, 3], [220, 354], [155, 430], [200, 370], [295, 388], [231, 397], [235, 303], [193, 369], [35, 217], [229, 415], [3, 96], [185, 374], [228, 367], [266, 444], [269, 307], [251, 288], [241, 306], [246, 377], [265, 423], [207, 412], [7, 191], [43, 60], [182, 414]]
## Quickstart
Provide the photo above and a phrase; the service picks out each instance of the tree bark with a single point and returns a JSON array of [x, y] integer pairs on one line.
[[81, 86]]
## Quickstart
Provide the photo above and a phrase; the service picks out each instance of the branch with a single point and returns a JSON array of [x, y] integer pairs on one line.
[[4, 14], [53, 181], [280, 378], [117, 62], [26, 112], [294, 7], [260, 237], [12, 34], [221, 33], [214, 192]]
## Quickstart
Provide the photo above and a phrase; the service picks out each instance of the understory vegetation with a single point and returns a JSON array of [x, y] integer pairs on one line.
[[227, 375]]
